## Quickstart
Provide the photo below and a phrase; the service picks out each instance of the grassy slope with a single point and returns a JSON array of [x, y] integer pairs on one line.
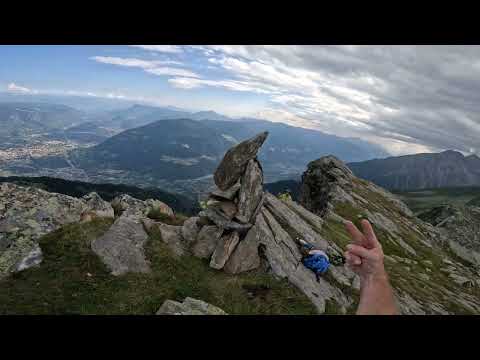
[[403, 276], [419, 200], [62, 284]]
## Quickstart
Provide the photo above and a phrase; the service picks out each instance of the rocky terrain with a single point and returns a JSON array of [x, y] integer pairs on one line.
[[421, 171], [244, 231], [461, 228]]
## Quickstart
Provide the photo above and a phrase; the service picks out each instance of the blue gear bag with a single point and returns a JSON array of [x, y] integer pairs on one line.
[[317, 263]]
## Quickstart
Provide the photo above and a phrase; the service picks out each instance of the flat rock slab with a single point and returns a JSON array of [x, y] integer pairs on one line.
[[121, 247], [233, 164], [251, 191], [225, 246], [228, 194], [293, 223], [207, 240], [222, 221], [285, 261], [245, 256], [189, 306]]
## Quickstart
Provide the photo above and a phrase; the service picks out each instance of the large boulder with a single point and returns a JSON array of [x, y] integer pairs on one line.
[[190, 229], [121, 248], [251, 191], [189, 306], [235, 160], [26, 214]]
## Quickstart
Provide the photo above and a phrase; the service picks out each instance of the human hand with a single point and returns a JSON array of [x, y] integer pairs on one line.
[[365, 255]]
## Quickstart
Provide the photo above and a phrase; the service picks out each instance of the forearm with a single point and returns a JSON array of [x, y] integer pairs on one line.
[[376, 296]]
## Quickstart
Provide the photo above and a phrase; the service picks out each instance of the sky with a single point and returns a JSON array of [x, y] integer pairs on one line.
[[408, 99]]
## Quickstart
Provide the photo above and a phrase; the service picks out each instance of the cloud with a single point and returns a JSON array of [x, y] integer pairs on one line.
[[403, 97], [12, 87], [171, 72], [189, 83], [150, 66], [161, 48], [133, 62]]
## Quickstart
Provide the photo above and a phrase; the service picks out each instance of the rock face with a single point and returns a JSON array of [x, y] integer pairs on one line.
[[460, 226], [28, 213], [189, 306], [235, 160]]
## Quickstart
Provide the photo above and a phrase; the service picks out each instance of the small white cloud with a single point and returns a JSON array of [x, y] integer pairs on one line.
[[19, 89], [115, 96], [172, 72], [161, 48], [130, 62]]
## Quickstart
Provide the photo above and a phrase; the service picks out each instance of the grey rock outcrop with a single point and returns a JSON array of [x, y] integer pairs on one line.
[[172, 236], [235, 160], [128, 205], [98, 207], [121, 247], [190, 229], [189, 306], [28, 213]]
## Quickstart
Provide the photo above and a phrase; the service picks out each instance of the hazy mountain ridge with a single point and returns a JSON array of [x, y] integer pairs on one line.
[[421, 171]]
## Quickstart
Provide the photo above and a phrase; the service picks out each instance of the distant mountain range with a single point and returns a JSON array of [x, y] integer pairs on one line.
[[20, 120], [421, 171], [177, 149], [147, 143]]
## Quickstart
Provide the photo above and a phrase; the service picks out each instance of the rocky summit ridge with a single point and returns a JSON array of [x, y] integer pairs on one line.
[[244, 228]]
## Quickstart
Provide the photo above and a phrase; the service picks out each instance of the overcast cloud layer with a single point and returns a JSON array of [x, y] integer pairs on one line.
[[407, 98]]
